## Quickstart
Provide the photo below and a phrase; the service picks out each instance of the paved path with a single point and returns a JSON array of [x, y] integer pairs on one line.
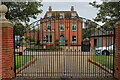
[[63, 64]]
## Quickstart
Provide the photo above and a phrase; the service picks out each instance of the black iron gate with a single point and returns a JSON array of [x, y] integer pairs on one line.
[[51, 47]]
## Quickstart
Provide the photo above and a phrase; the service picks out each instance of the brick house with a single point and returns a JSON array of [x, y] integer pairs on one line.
[[101, 38], [61, 28]]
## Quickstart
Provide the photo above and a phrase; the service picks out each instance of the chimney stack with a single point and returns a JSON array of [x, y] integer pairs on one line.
[[72, 8], [50, 8]]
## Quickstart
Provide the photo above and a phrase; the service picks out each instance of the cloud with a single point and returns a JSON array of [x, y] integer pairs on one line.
[[70, 0]]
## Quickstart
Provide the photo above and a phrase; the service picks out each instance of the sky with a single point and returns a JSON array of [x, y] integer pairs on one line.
[[70, 0], [83, 8]]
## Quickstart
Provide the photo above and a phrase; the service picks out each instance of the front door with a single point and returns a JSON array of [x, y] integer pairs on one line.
[[61, 40], [95, 43]]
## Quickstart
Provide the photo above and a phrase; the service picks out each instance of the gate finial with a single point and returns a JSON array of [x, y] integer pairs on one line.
[[3, 10]]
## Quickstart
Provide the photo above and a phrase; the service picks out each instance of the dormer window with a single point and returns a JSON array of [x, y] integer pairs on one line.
[[49, 15], [73, 15], [61, 15]]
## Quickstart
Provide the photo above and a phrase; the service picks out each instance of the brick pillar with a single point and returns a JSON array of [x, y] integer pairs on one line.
[[6, 46], [117, 50]]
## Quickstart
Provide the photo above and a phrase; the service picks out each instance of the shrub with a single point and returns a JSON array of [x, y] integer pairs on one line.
[[57, 40], [66, 40], [86, 39]]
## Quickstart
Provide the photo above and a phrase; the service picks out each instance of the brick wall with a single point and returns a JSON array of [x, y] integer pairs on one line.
[[7, 52], [67, 30], [32, 33], [104, 40], [117, 51]]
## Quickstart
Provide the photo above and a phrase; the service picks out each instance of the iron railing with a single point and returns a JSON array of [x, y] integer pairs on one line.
[[47, 54]]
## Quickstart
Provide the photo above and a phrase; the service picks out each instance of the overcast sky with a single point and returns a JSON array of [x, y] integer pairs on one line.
[[82, 7], [70, 0]]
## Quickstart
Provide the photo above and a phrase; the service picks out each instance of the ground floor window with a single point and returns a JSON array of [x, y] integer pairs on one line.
[[49, 38], [109, 41], [74, 38], [100, 42]]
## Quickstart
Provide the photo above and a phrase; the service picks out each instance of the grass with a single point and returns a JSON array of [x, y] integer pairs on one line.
[[21, 60], [104, 60]]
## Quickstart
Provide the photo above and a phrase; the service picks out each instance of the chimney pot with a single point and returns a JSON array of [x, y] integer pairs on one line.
[[72, 8], [50, 8]]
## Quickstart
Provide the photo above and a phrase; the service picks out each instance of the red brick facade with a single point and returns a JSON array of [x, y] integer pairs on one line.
[[104, 40], [32, 33], [55, 27]]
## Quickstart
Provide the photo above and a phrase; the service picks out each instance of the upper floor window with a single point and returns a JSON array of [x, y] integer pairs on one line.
[[73, 15], [62, 15], [73, 26], [49, 15], [74, 38], [61, 26], [48, 26]]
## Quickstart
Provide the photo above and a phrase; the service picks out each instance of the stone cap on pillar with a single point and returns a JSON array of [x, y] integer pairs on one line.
[[3, 20], [117, 24]]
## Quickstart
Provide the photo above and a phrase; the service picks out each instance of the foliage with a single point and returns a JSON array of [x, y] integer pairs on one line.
[[66, 40], [109, 12], [57, 40], [90, 28], [23, 41], [38, 42], [22, 11], [31, 38], [85, 39]]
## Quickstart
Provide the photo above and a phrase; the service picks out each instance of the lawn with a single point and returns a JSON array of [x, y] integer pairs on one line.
[[104, 60], [21, 60]]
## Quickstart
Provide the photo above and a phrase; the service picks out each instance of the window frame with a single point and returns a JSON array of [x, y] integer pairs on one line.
[[109, 41], [73, 16], [100, 42], [50, 15], [63, 26], [49, 38], [72, 39], [48, 25], [61, 16], [75, 27]]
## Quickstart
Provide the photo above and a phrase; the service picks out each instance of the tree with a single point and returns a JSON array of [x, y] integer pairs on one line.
[[90, 27], [22, 11], [109, 12]]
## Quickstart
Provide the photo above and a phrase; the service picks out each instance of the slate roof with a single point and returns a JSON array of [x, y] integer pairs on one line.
[[56, 13], [102, 32]]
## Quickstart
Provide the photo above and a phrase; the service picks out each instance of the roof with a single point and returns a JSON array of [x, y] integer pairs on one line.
[[56, 13], [102, 32]]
